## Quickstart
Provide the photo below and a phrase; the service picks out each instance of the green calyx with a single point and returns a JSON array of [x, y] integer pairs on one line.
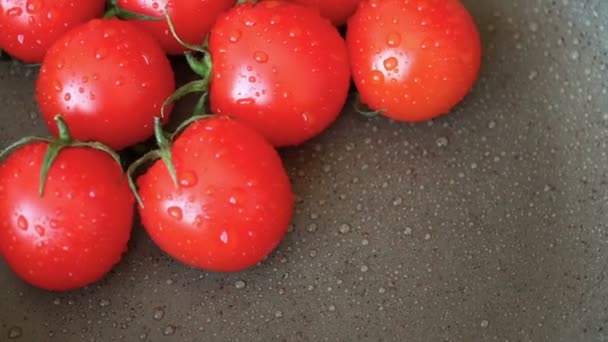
[[56, 145], [165, 143]]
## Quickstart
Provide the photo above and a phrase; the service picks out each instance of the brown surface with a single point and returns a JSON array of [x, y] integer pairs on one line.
[[485, 225]]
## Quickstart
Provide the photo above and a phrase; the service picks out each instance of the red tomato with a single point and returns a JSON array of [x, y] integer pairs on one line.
[[77, 231], [234, 200], [338, 11], [281, 68], [192, 19], [30, 27], [413, 59], [108, 79]]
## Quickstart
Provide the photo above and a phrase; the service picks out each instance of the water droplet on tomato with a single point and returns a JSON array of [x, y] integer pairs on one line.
[[22, 222], [252, 79], [57, 85], [390, 63], [39, 229], [67, 96], [260, 56], [224, 237], [20, 39], [393, 39], [60, 65], [377, 77], [176, 213], [101, 54], [81, 90], [233, 200], [188, 179], [33, 6], [246, 101], [155, 5], [235, 36], [14, 12]]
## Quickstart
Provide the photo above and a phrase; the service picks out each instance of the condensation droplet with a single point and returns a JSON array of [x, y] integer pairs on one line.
[[393, 39], [175, 212]]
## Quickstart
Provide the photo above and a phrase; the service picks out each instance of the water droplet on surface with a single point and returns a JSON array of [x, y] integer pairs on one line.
[[364, 268], [344, 228], [224, 237], [22, 222], [260, 56], [14, 12], [393, 39], [235, 36], [397, 201], [239, 284], [246, 101], [175, 212], [39, 229], [312, 227], [484, 323], [391, 63], [377, 76], [188, 179], [15, 332], [278, 314], [104, 302], [159, 313], [169, 330], [442, 142], [33, 6]]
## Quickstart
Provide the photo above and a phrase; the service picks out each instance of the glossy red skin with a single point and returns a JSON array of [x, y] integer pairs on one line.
[[234, 202], [281, 68], [192, 19], [414, 59], [77, 231], [29, 28], [338, 11], [108, 80]]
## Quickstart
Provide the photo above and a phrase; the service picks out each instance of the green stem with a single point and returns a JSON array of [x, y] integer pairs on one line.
[[164, 150]]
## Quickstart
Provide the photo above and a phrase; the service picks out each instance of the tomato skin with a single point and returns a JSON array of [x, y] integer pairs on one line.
[[108, 80], [416, 60], [30, 27], [234, 202], [338, 11], [77, 231], [192, 19], [279, 67]]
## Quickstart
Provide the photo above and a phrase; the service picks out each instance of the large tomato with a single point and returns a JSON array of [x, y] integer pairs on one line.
[[192, 19], [233, 202], [281, 68], [414, 60], [74, 233], [28, 28], [108, 79], [338, 11]]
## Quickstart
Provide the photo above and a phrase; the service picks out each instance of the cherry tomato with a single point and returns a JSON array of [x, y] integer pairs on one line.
[[108, 79], [77, 231], [233, 204], [338, 11], [413, 59], [30, 27], [192, 19], [281, 68]]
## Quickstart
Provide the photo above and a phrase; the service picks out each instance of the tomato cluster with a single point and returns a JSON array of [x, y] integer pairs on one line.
[[216, 196]]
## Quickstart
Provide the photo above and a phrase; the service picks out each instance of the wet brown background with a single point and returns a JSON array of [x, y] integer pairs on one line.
[[489, 224]]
